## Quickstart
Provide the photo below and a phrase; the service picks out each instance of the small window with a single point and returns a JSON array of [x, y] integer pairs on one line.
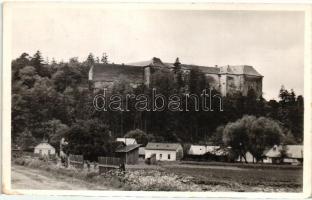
[[168, 156], [40, 151], [160, 156], [49, 152]]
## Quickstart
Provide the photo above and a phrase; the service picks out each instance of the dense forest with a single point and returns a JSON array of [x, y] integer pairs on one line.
[[52, 100]]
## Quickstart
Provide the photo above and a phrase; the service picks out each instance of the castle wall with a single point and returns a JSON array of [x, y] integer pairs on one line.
[[214, 81], [147, 76], [234, 84], [225, 79], [223, 84], [252, 82]]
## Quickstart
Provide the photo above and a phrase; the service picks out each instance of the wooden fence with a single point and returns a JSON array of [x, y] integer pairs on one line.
[[76, 161], [108, 163]]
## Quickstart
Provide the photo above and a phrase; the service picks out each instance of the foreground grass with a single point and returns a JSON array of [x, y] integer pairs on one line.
[[181, 178], [265, 180]]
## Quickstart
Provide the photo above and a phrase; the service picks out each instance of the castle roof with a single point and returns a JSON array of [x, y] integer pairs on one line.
[[242, 69], [109, 72], [230, 69], [135, 71], [156, 62]]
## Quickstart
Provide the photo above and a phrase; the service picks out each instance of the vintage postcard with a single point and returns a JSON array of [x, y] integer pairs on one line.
[[179, 100]]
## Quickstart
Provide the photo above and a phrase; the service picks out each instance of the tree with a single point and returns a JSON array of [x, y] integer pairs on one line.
[[178, 74], [264, 133], [55, 130], [89, 138], [28, 76], [216, 138], [236, 135], [25, 140], [140, 136], [37, 62], [90, 59], [283, 152], [104, 58], [252, 134], [197, 81], [18, 64]]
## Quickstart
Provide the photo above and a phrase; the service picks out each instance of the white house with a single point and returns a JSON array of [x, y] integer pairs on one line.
[[44, 149], [294, 154], [164, 151], [127, 141], [197, 150], [201, 150]]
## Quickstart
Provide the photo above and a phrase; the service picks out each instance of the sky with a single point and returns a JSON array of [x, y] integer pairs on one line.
[[270, 41]]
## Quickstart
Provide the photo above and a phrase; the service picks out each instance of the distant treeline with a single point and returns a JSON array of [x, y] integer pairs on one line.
[[51, 100]]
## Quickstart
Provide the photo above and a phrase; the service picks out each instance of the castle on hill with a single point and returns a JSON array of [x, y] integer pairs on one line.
[[227, 80]]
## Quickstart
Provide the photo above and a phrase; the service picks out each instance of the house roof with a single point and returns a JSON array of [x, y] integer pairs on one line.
[[109, 72], [292, 151], [44, 145], [127, 141], [163, 146], [128, 148], [197, 150], [217, 150], [201, 150]]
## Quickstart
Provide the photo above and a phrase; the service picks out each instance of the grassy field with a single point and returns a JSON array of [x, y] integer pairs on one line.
[[242, 179]]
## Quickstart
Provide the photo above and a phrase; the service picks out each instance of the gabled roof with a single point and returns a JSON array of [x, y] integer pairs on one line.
[[156, 62], [240, 69], [109, 72], [163, 146], [204, 69], [201, 150], [44, 145], [231, 69], [127, 141], [292, 151], [128, 148]]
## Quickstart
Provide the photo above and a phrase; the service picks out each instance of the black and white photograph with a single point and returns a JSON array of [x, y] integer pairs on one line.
[[156, 98]]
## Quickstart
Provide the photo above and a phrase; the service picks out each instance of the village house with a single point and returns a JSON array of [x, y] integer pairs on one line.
[[227, 79], [44, 149], [197, 150], [293, 154], [164, 151], [129, 154], [127, 141]]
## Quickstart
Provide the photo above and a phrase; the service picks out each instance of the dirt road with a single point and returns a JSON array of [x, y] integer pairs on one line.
[[27, 178]]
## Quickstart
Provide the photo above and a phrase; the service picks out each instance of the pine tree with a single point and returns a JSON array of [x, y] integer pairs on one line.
[[90, 59], [37, 62], [104, 58]]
